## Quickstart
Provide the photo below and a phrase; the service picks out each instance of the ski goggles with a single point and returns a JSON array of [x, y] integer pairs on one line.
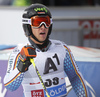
[[38, 21]]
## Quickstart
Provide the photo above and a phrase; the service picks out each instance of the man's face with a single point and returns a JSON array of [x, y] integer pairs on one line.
[[40, 33]]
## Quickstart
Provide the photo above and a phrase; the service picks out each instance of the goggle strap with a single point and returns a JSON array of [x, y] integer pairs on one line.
[[26, 21], [51, 21]]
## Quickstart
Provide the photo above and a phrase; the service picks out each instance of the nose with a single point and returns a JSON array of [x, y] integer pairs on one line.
[[43, 26]]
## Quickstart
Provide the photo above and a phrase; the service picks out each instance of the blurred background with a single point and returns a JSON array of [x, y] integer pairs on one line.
[[76, 22]]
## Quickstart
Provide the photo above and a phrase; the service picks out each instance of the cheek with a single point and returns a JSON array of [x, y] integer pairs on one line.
[[47, 30], [35, 31]]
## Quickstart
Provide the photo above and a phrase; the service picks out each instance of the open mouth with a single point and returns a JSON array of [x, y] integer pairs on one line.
[[42, 33]]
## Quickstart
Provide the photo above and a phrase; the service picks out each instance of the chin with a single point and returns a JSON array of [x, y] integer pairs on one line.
[[42, 39]]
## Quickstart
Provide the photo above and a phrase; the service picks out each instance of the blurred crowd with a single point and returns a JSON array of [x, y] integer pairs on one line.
[[52, 2]]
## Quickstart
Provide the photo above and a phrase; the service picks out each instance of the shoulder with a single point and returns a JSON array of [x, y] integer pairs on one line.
[[56, 42], [18, 48], [61, 43], [16, 52]]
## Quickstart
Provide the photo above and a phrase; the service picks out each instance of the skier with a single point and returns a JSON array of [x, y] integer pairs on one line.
[[51, 58]]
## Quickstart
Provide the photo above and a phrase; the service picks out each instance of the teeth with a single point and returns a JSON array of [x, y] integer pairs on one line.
[[42, 33]]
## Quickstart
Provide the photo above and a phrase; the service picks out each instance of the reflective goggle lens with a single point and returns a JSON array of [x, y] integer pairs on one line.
[[37, 21]]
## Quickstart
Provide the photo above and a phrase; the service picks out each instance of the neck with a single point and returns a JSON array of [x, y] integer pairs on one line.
[[36, 42], [42, 46]]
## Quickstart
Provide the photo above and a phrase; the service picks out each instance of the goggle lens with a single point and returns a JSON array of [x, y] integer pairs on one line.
[[37, 21]]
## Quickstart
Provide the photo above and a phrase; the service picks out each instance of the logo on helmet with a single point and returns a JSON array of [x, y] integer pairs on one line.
[[41, 9]]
